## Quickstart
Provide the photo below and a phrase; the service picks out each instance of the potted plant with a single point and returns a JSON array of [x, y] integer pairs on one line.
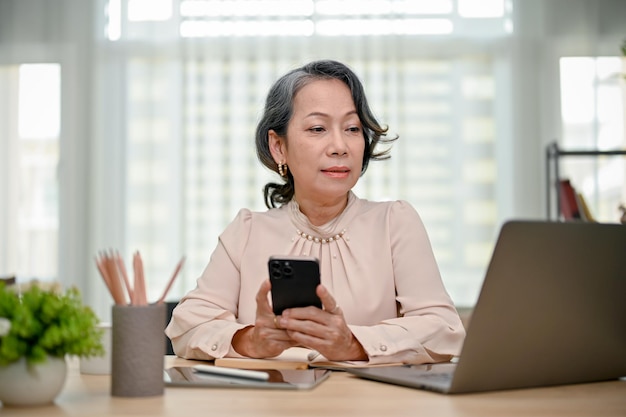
[[39, 326]]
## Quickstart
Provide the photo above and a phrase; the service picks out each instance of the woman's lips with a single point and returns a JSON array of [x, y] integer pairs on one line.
[[336, 172]]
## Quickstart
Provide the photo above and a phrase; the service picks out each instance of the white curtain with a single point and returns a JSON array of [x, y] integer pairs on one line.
[[190, 109]]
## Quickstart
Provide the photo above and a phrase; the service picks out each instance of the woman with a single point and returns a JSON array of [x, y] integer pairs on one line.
[[382, 295]]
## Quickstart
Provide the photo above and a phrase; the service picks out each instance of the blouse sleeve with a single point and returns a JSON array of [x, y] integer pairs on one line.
[[428, 328], [204, 322]]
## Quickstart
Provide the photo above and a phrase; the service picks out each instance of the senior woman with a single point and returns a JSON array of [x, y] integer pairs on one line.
[[382, 294]]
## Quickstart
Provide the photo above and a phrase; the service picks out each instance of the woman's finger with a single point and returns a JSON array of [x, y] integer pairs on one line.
[[262, 299], [328, 301]]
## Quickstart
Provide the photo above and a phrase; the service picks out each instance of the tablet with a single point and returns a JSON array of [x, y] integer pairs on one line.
[[288, 379]]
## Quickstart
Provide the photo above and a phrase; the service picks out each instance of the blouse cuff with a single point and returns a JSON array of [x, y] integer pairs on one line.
[[219, 343], [389, 344]]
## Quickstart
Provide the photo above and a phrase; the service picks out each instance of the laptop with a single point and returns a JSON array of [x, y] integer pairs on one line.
[[551, 311]]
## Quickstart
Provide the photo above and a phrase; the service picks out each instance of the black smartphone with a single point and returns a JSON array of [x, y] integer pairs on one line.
[[294, 280]]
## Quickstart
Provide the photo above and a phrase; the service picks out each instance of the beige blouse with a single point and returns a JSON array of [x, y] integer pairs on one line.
[[380, 269]]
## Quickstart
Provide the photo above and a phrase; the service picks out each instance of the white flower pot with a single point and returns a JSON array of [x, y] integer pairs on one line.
[[39, 384]]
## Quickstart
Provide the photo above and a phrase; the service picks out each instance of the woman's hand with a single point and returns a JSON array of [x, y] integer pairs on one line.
[[264, 339], [325, 330]]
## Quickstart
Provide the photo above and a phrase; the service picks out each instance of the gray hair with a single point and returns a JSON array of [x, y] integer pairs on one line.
[[279, 109]]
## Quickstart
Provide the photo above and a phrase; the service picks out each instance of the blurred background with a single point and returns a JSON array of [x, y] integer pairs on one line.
[[129, 124]]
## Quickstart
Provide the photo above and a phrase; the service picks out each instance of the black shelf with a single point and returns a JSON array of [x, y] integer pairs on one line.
[[553, 156]]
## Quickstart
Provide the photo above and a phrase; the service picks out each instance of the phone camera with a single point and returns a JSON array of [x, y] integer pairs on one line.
[[275, 270], [280, 270], [287, 269]]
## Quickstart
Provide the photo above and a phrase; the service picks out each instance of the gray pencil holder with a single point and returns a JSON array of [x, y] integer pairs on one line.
[[137, 350]]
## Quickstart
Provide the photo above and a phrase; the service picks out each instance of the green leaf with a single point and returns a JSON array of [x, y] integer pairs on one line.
[[47, 323]]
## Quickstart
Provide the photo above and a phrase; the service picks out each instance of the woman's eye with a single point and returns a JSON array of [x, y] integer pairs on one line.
[[354, 129], [316, 129]]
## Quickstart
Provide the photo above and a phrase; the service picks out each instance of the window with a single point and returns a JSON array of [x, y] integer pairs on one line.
[[252, 18], [29, 222], [195, 76], [592, 110]]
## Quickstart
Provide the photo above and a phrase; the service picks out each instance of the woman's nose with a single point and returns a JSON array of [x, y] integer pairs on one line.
[[338, 145]]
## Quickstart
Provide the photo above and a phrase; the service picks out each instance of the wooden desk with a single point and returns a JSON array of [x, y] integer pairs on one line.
[[340, 395]]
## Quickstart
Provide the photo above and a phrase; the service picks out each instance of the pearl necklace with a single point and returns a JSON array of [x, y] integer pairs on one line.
[[298, 217], [319, 239]]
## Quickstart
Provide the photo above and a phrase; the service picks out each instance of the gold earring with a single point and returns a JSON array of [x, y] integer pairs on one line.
[[282, 169]]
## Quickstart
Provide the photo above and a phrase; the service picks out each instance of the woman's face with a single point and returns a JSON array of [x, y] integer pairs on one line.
[[325, 142]]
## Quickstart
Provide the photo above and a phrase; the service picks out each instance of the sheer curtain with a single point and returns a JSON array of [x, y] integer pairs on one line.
[[186, 101]]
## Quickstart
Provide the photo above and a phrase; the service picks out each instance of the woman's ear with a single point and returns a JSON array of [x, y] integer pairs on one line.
[[277, 147]]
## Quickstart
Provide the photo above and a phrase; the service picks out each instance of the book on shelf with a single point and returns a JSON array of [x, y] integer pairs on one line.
[[568, 202], [570, 209], [573, 204], [585, 212], [292, 358]]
